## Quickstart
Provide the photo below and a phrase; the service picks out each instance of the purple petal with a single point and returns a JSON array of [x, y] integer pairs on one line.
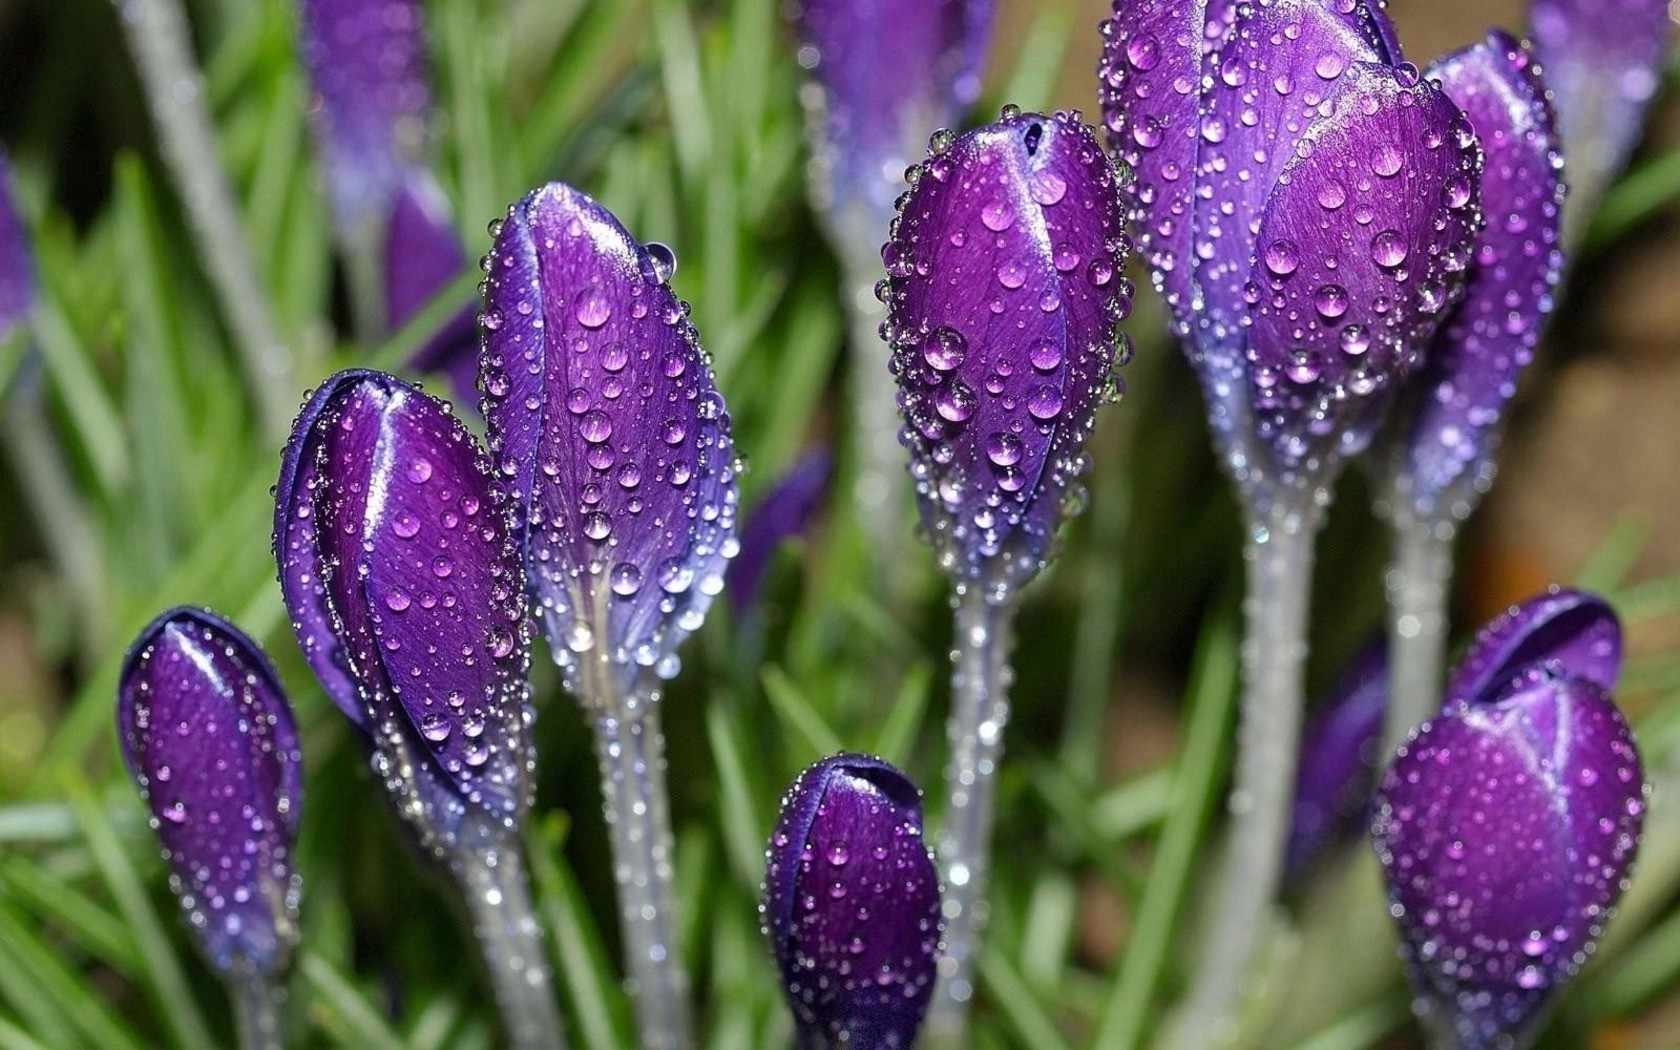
[[1447, 440], [851, 904], [423, 255], [1571, 631], [1362, 247], [210, 741], [888, 74], [1506, 830], [784, 513], [606, 423], [421, 592], [1338, 767], [1005, 290], [367, 60], [17, 259], [1603, 61]]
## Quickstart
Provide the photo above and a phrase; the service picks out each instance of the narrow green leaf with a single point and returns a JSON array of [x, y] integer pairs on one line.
[[800, 715], [1016, 1002], [595, 1004], [342, 1008]]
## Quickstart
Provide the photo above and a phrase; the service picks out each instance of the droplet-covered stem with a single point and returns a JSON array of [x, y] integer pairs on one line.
[[257, 998], [1418, 583], [492, 876], [979, 711], [1279, 557], [878, 489]]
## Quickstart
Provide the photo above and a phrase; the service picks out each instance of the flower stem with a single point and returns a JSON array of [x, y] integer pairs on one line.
[[1418, 582], [1279, 556], [257, 998], [492, 876], [879, 484], [979, 711], [631, 749], [159, 39]]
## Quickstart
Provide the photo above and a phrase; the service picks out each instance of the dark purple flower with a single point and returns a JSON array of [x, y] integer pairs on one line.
[[17, 259], [1447, 427], [851, 905], [1603, 61], [1306, 203], [1506, 829], [608, 428], [888, 74], [1004, 292], [1571, 631], [210, 741], [423, 254], [404, 591], [786, 511], [1338, 766]]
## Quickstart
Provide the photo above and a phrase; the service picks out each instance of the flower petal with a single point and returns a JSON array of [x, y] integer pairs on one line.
[[786, 511], [423, 255], [607, 424], [1006, 286], [17, 259], [1338, 767], [1573, 631]]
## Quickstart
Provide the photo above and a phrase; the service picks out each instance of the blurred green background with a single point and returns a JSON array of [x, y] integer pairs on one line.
[[683, 119]]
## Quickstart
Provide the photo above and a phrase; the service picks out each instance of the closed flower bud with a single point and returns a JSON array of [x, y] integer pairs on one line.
[[405, 594], [209, 739], [608, 429], [851, 905], [1005, 289]]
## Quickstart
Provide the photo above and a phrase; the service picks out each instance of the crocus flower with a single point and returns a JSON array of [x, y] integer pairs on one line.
[[404, 591], [1603, 61], [785, 512], [367, 61], [1338, 769], [17, 260], [1507, 826], [851, 905], [209, 739]]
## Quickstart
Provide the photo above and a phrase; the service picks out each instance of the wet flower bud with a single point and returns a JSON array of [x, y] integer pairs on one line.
[[1507, 825], [405, 594], [851, 905], [1005, 288], [1446, 426], [209, 739], [608, 429], [785, 512]]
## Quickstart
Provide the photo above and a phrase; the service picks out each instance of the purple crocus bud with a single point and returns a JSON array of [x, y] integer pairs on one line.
[[1004, 293], [1567, 630], [1338, 767], [404, 590], [17, 260], [1307, 204], [1603, 61], [851, 905], [610, 433], [1506, 829], [1447, 429], [423, 254], [210, 741], [888, 74], [786, 511]]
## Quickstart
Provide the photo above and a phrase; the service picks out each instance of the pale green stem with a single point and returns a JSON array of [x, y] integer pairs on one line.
[[1279, 557], [161, 42], [492, 876], [257, 998], [979, 712], [1419, 580]]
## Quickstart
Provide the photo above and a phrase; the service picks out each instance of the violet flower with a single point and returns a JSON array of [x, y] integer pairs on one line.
[[1604, 64], [209, 738], [851, 905], [1507, 825], [1004, 290], [1306, 203], [404, 588], [608, 429], [785, 511], [1338, 768], [367, 62], [1439, 447], [18, 285]]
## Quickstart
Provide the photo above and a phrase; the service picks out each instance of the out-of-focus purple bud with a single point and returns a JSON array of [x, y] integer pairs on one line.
[[888, 73], [404, 590], [851, 905], [1506, 829], [1603, 61], [210, 741], [1570, 631], [1338, 766], [17, 259], [1307, 203], [1446, 428], [786, 511], [607, 425], [1005, 290], [423, 255]]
